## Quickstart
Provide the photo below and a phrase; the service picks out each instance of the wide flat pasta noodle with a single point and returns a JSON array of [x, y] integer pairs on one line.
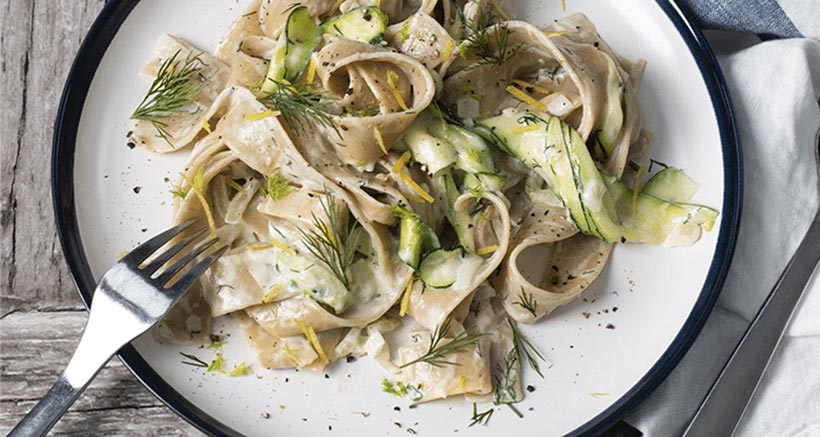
[[360, 76], [429, 43], [181, 127], [573, 261], [287, 352]]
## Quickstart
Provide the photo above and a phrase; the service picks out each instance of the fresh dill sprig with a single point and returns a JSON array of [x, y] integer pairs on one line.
[[508, 373], [481, 418], [506, 377], [490, 44], [175, 87], [530, 118], [437, 352], [333, 240], [193, 360], [527, 302], [300, 103], [523, 346]]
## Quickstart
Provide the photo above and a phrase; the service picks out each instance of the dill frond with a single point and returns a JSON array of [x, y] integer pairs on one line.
[[481, 418], [437, 352], [175, 87], [193, 360], [523, 346], [527, 302], [490, 44], [505, 378], [508, 373], [332, 240], [299, 104]]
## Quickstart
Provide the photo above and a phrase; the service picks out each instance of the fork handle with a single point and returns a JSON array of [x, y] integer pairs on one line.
[[86, 362], [50, 408], [723, 407]]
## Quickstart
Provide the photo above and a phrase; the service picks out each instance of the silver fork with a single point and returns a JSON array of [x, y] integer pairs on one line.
[[130, 299]]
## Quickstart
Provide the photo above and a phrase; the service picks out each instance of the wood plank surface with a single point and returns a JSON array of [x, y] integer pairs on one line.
[[41, 315]]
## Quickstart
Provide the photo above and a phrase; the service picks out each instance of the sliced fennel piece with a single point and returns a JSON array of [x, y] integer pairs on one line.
[[415, 237], [671, 184], [597, 203], [447, 268], [293, 49], [365, 24]]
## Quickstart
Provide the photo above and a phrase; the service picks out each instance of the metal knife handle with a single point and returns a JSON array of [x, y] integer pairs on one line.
[[723, 407]]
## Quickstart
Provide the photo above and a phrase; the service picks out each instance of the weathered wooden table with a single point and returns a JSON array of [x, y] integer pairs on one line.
[[41, 314]]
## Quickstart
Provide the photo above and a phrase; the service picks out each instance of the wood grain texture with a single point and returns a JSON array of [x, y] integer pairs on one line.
[[39, 41], [35, 348], [41, 315]]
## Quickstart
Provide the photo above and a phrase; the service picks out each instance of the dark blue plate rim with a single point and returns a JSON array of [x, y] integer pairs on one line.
[[66, 126]]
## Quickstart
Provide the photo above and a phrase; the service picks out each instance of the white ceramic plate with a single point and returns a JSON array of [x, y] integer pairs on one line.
[[653, 300]]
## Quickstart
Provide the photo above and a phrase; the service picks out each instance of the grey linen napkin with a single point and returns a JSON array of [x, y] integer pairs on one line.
[[774, 86]]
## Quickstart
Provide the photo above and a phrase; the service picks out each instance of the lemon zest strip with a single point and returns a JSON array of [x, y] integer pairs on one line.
[[271, 295], [392, 82], [379, 139], [313, 339], [534, 87], [486, 250], [260, 115], [405, 300], [526, 98], [198, 185], [524, 129], [397, 170]]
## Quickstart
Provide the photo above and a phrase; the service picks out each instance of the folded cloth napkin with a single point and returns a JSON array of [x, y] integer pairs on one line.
[[774, 85]]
